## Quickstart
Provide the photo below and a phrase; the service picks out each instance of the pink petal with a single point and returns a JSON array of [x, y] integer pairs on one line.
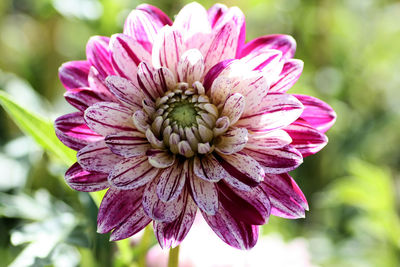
[[191, 66], [109, 118], [284, 43], [287, 200], [144, 23], [131, 225], [132, 173], [232, 141], [79, 179], [252, 207], [116, 207], [291, 72], [172, 234], [97, 157], [306, 139], [216, 13], [208, 168], [262, 140], [168, 49], [214, 72], [277, 160], [128, 144], [275, 111], [205, 194], [126, 91], [232, 231], [73, 132], [159, 210], [74, 74], [97, 82], [99, 55], [317, 113], [234, 107], [191, 20], [147, 81], [126, 55], [244, 171], [82, 98]]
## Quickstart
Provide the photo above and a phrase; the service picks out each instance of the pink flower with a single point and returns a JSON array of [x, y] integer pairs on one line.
[[178, 116]]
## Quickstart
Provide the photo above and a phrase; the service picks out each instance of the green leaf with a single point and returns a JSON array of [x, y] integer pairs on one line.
[[39, 128]]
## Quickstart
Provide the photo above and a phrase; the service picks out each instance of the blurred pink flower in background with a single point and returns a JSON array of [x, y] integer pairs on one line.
[[179, 116]]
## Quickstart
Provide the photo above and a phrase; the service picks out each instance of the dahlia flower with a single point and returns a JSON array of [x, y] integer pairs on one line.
[[175, 117]]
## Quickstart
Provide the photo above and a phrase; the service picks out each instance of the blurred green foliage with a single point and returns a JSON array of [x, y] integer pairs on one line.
[[351, 50]]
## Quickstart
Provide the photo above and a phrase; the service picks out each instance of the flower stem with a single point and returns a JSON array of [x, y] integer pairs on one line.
[[173, 260], [144, 246]]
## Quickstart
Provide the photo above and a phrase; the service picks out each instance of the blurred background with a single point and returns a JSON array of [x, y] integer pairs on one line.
[[351, 50]]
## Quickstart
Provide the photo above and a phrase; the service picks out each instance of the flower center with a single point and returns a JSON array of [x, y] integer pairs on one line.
[[184, 121]]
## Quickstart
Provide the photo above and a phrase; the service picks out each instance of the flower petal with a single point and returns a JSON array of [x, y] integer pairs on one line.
[[205, 194], [132, 173], [143, 24], [234, 107], [73, 132], [208, 168], [97, 157], [306, 139], [273, 139], [171, 234], [289, 75], [216, 13], [287, 200], [160, 158], [82, 98], [252, 207], [126, 91], [244, 171], [275, 111], [147, 81], [99, 55], [116, 206], [126, 56], [109, 118], [191, 20], [74, 74], [317, 113], [167, 49], [284, 43], [128, 144], [233, 232], [277, 160], [159, 210], [232, 141], [131, 225], [191, 66], [214, 73], [79, 179], [172, 181]]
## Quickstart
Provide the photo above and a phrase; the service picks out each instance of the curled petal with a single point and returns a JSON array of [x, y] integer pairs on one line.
[[306, 139], [132, 173], [109, 118], [317, 113], [208, 168], [148, 82], [126, 91], [160, 158], [214, 73], [79, 179], [289, 75], [234, 107], [74, 74], [191, 66], [276, 111], [73, 132], [116, 206], [244, 171], [221, 90], [284, 43], [128, 144], [287, 200], [279, 160], [172, 233], [232, 231], [232, 141], [159, 210], [97, 157]]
